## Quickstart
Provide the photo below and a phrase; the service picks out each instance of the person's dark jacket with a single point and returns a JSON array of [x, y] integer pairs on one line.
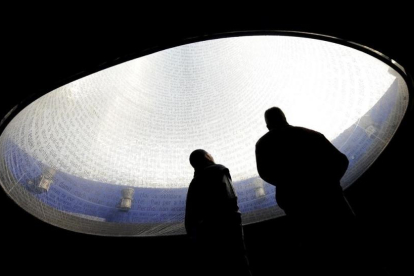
[[303, 165], [211, 207]]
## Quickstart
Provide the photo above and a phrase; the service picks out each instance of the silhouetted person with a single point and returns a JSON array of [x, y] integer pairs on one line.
[[213, 220], [306, 170]]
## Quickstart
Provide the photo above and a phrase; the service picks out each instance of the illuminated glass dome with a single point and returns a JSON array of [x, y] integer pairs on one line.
[[108, 154]]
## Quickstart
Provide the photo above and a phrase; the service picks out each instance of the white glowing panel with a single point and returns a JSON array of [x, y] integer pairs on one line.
[[136, 123]]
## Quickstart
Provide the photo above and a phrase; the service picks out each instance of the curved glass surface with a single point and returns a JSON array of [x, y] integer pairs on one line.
[[108, 154]]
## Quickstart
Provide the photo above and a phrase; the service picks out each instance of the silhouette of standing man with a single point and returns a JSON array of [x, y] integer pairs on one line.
[[306, 170], [213, 220]]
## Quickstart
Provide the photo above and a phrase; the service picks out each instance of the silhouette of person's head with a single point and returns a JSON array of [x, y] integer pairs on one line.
[[275, 118], [200, 159]]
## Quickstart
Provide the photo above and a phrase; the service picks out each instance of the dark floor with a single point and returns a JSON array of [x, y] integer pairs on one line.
[[272, 250]]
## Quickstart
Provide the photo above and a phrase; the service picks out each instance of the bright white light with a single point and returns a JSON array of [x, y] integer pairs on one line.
[[136, 123]]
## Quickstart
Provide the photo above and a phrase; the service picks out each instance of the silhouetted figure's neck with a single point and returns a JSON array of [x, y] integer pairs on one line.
[[199, 170], [278, 127]]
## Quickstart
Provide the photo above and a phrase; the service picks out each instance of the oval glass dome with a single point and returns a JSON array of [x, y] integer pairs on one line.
[[108, 154]]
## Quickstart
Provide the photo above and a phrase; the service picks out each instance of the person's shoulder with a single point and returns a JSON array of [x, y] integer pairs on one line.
[[214, 171], [217, 167], [264, 138], [304, 130], [223, 170]]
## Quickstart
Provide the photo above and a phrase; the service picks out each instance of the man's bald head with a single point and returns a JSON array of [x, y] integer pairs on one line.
[[200, 158], [275, 118]]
